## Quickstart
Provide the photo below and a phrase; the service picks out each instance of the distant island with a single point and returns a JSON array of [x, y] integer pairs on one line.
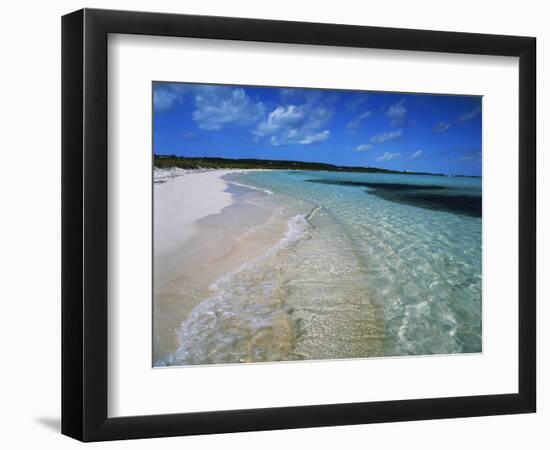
[[184, 162]]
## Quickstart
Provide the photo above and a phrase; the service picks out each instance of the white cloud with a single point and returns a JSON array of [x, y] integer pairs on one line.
[[364, 147], [417, 154], [442, 127], [165, 96], [469, 115], [217, 107], [317, 137], [397, 113], [353, 124], [385, 137], [163, 100], [387, 156], [295, 124], [280, 118]]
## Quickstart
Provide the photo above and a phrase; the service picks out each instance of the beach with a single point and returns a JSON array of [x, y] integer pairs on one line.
[[182, 198], [298, 224], [199, 238], [262, 266]]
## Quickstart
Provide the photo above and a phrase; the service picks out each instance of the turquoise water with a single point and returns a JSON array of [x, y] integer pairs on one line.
[[370, 265], [419, 239]]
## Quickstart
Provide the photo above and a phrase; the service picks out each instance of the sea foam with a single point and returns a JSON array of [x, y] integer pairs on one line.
[[254, 188], [246, 318]]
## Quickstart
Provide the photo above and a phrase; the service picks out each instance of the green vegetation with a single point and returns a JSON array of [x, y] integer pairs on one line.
[[167, 161]]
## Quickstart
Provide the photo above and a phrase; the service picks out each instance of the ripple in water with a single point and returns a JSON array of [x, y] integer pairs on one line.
[[247, 318], [384, 266]]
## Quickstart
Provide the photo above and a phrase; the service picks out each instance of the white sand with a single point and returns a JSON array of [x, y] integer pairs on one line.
[[190, 256], [181, 199]]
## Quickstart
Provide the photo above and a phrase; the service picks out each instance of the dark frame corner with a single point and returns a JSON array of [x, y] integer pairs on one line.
[[84, 224]]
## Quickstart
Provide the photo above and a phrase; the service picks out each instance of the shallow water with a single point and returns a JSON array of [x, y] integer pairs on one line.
[[369, 265]]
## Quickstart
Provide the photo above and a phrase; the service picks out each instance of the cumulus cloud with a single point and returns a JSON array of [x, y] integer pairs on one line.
[[387, 156], [280, 118], [356, 122], [397, 113], [295, 124], [316, 137], [165, 96], [442, 127], [469, 115], [385, 137], [217, 107], [417, 154], [364, 147]]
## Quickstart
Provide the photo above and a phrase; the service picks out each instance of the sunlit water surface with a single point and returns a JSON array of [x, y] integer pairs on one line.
[[369, 265]]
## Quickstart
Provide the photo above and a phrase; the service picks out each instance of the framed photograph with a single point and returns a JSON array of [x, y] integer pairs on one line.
[[273, 224]]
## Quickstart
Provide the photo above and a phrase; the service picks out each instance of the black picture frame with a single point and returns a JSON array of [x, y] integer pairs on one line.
[[84, 224]]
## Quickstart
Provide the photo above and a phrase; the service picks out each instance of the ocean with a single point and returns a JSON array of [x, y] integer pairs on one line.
[[335, 265]]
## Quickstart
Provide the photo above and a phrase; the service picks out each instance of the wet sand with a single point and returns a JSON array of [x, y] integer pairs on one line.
[[201, 234], [252, 281]]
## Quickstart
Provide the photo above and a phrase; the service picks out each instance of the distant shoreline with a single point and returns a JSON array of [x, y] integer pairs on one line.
[[189, 163]]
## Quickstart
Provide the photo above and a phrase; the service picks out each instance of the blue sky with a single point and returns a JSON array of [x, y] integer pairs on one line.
[[416, 132]]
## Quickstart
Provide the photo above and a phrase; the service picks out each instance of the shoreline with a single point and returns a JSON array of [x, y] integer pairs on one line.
[[182, 198], [202, 162], [202, 241], [231, 294]]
